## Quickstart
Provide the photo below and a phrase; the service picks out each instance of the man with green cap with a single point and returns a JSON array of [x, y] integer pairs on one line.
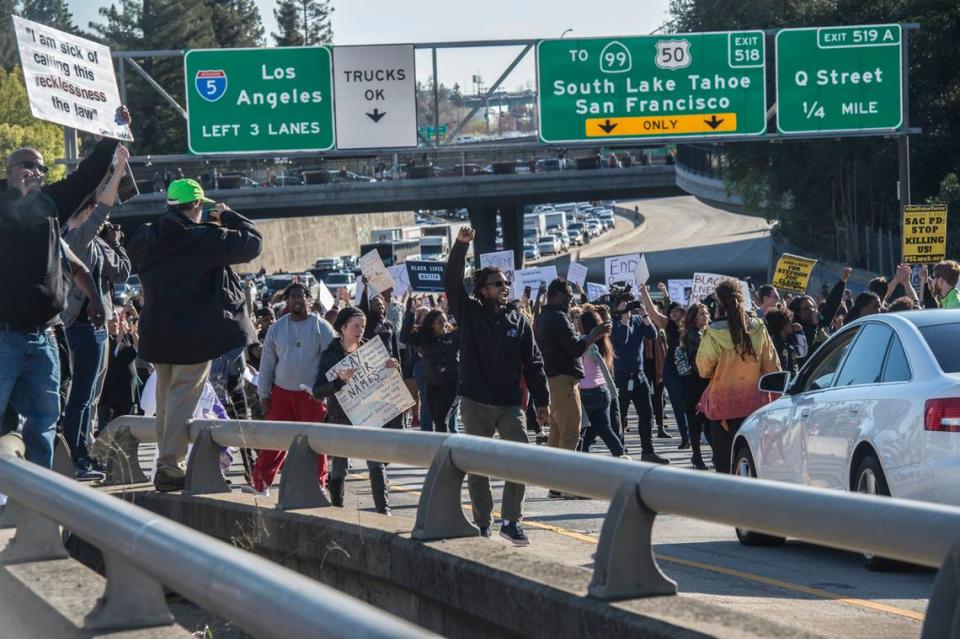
[[193, 307]]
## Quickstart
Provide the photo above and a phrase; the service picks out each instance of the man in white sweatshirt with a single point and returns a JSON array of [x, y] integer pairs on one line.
[[291, 358]]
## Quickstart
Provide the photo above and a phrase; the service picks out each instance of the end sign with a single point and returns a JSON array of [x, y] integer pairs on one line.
[[251, 100]]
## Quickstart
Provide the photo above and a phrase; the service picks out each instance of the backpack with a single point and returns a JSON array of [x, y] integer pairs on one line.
[[33, 281]]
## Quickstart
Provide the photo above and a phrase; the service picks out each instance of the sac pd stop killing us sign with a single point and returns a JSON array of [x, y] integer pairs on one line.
[[256, 100]]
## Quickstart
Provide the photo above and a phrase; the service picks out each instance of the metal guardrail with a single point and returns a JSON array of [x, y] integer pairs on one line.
[[144, 552], [625, 566]]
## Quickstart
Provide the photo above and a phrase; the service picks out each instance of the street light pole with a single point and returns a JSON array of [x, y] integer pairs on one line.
[[565, 32]]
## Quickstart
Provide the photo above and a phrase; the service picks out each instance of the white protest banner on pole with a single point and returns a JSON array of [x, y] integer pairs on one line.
[[577, 274], [534, 278], [375, 394], [325, 297], [70, 80], [595, 291], [371, 265], [501, 259], [401, 280], [642, 273], [679, 291], [620, 268]]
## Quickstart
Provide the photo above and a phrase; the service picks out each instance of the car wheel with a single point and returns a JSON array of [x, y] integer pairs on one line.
[[743, 466], [871, 481]]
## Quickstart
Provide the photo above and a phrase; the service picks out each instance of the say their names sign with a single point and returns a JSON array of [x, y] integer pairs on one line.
[[70, 80], [375, 394]]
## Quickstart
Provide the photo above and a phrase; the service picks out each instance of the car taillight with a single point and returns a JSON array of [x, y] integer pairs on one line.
[[942, 415]]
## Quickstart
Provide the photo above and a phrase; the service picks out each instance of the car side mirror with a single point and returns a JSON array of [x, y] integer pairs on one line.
[[777, 382]]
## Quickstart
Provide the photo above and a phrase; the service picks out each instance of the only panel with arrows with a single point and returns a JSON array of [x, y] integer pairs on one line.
[[375, 96], [652, 87]]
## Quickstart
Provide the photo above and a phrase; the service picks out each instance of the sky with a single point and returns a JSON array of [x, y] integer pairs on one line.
[[420, 21]]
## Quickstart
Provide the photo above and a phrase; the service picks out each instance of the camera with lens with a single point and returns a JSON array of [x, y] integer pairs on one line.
[[622, 292]]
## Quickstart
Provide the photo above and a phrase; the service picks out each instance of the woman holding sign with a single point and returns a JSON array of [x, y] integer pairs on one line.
[[350, 325]]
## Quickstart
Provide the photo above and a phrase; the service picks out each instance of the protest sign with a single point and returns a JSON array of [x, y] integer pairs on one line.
[[595, 291], [680, 290], [401, 280], [501, 259], [577, 274], [793, 273], [69, 80], [375, 394], [534, 278], [620, 268], [924, 234], [371, 265], [325, 297], [706, 283], [641, 273], [426, 276]]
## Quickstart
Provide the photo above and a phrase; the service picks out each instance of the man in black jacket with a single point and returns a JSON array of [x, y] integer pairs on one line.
[[193, 308], [496, 348], [816, 322], [562, 348]]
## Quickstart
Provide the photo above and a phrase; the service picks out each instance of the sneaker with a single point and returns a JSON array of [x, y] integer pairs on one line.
[[485, 532], [514, 533], [250, 490], [167, 484], [89, 475], [653, 458]]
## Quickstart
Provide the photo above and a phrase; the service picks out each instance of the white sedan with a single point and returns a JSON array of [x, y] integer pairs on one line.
[[876, 410]]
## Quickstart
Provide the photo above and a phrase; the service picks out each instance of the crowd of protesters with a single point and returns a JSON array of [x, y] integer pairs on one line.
[[479, 362]]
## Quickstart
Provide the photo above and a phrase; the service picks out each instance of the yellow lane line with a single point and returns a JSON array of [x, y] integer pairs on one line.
[[770, 581]]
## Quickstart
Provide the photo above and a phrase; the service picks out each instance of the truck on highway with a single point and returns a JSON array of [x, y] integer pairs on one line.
[[396, 234], [536, 222], [393, 252], [434, 248], [557, 219]]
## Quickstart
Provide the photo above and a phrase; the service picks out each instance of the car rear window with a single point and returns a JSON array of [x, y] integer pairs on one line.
[[944, 341]]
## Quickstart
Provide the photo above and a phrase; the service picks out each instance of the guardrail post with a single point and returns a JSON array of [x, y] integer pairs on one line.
[[121, 454], [37, 538], [624, 567], [203, 467], [62, 461], [943, 613], [298, 482], [439, 514], [131, 599]]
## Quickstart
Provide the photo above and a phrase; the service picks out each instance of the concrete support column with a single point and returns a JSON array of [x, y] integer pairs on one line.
[[484, 220], [511, 219]]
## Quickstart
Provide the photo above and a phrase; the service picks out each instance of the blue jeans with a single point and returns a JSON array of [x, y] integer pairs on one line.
[[677, 391], [426, 420], [86, 355], [30, 382], [596, 406]]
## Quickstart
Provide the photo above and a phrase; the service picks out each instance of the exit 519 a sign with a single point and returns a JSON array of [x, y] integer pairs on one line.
[[694, 84], [250, 100]]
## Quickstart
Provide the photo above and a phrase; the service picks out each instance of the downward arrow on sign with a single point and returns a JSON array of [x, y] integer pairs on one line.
[[713, 122], [607, 126], [376, 115]]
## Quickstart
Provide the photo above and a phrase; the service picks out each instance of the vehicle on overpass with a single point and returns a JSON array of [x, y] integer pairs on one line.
[[341, 279], [531, 251], [876, 410], [606, 216], [434, 247], [393, 252], [549, 245], [578, 234], [594, 226], [546, 165]]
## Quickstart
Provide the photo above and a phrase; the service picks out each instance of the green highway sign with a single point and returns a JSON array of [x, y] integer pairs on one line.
[[652, 87], [253, 100], [839, 79]]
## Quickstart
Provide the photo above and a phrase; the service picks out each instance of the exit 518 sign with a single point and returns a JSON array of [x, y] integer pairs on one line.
[[692, 84], [249, 100]]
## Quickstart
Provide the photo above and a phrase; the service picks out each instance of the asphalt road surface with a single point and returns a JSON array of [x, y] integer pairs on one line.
[[681, 235]]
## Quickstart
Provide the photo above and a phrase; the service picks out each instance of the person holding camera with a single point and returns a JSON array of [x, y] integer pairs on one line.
[[120, 385], [629, 334], [193, 308]]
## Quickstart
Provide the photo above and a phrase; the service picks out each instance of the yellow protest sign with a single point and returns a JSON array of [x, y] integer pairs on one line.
[[924, 234], [793, 273]]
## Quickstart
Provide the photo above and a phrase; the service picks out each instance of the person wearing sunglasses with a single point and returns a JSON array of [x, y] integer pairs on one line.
[[496, 348], [26, 169]]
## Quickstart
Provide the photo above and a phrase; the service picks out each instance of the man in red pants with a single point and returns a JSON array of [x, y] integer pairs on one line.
[[291, 358]]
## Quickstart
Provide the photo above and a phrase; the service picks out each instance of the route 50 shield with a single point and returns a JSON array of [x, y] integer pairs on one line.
[[211, 85], [673, 54]]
